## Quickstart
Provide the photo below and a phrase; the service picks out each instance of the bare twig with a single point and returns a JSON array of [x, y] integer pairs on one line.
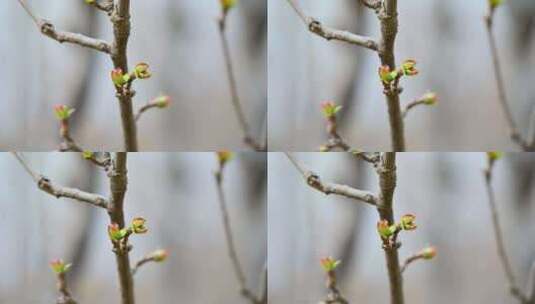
[[514, 132], [314, 181], [105, 5], [498, 235], [328, 33], [413, 258], [143, 109], [422, 101], [334, 296], [57, 191], [247, 137], [233, 255], [64, 294], [49, 30]]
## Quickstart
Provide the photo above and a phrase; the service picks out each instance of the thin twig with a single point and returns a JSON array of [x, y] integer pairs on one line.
[[65, 296], [235, 98], [514, 132], [328, 33], [498, 235], [49, 30], [229, 237], [143, 109], [408, 261], [57, 191], [314, 181]]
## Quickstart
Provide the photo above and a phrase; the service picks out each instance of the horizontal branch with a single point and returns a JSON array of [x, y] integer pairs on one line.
[[314, 181], [48, 29], [57, 191], [329, 33]]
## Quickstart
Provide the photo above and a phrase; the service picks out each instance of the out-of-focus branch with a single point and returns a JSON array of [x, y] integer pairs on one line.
[[64, 296], [58, 191], [514, 132], [238, 109], [154, 257], [334, 296], [48, 29], [426, 100], [229, 237], [498, 234], [314, 181], [328, 33]]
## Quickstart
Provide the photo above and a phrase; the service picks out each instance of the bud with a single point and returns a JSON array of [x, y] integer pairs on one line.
[[324, 148], [138, 225], [428, 253], [141, 71], [409, 68], [386, 75], [116, 233], [118, 78], [494, 155], [59, 267], [159, 255], [90, 1], [87, 154], [495, 3], [407, 222], [224, 156], [162, 101], [329, 264], [385, 230], [63, 112], [330, 109], [430, 98], [226, 5]]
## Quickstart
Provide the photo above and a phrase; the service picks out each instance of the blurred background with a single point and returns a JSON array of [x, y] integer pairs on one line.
[[446, 193], [176, 193], [448, 40], [180, 41]]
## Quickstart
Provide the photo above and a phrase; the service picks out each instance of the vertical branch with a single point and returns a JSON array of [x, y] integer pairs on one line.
[[229, 237], [387, 184], [389, 28], [514, 133], [244, 125], [118, 185], [121, 31], [498, 235]]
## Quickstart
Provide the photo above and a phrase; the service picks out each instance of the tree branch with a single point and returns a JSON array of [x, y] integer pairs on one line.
[[514, 132], [118, 186], [387, 185], [64, 294], [233, 255], [388, 17], [498, 235], [247, 137], [121, 31], [329, 33], [48, 29], [314, 181], [57, 191]]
